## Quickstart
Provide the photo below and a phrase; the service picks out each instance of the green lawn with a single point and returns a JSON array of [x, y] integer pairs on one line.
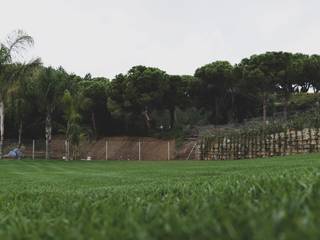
[[276, 198]]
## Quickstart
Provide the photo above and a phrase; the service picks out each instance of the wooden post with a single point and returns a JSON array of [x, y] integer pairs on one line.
[[317, 139], [205, 149], [255, 144], [240, 146], [274, 151], [254, 150], [279, 144], [234, 146], [225, 148], [201, 149], [247, 144], [263, 143], [297, 141], [222, 147], [215, 154], [302, 141], [310, 141], [219, 148], [285, 142], [251, 144], [68, 149], [291, 142], [230, 147], [243, 145], [269, 144]]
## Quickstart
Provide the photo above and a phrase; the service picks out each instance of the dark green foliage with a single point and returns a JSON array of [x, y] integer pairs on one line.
[[147, 101], [216, 82], [97, 114]]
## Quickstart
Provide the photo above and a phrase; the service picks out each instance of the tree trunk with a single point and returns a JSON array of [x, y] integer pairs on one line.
[[1, 127], [48, 130], [94, 125], [264, 109], [147, 118], [20, 133], [172, 117]]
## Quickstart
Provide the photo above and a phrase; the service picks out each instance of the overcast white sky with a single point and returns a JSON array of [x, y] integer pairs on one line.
[[107, 37]]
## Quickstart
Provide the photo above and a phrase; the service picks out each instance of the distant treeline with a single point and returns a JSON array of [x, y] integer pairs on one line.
[[39, 101]]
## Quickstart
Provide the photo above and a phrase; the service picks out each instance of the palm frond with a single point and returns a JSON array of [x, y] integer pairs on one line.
[[17, 41]]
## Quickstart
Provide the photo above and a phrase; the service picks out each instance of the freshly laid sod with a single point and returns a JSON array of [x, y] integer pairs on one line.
[[276, 198]]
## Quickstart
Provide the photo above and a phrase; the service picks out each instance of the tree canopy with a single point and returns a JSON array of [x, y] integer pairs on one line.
[[147, 100]]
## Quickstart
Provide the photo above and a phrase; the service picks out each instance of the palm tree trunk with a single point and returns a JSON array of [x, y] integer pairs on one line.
[[94, 125], [147, 118], [48, 130], [1, 127]]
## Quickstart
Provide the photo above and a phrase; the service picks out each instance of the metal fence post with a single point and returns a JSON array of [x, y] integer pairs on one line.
[[33, 147], [68, 142], [106, 149], [139, 145], [67, 148]]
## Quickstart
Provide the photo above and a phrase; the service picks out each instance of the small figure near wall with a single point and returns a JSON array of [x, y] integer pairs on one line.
[[16, 153]]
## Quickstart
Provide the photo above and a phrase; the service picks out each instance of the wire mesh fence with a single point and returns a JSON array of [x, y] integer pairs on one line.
[[123, 148], [33, 149]]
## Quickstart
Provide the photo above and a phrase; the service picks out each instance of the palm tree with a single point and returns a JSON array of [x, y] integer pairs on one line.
[[50, 86], [12, 48], [73, 105], [21, 95]]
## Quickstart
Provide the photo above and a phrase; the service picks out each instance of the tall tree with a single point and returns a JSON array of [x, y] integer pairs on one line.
[[214, 86], [176, 95], [287, 71], [16, 42], [311, 73], [73, 104], [51, 85], [258, 78], [96, 90], [139, 92], [20, 95]]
